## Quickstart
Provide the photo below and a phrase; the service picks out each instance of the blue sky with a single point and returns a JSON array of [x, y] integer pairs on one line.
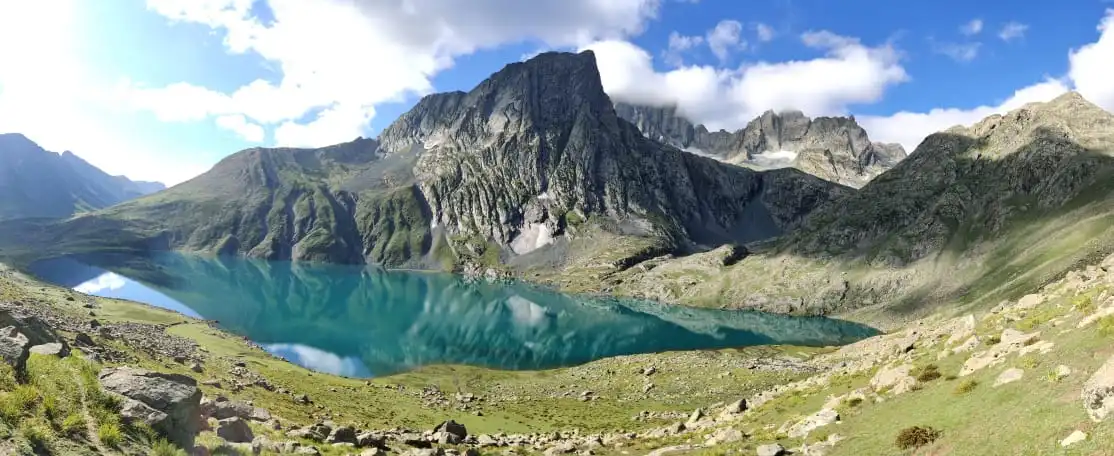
[[162, 89]]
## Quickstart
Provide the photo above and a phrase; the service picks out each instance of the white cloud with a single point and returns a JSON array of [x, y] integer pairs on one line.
[[240, 125], [971, 28], [678, 45], [1089, 73], [342, 57], [725, 37], [848, 73], [765, 32], [960, 52], [1012, 30], [1092, 66]]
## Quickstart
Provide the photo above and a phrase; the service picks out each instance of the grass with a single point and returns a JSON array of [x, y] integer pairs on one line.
[[966, 386]]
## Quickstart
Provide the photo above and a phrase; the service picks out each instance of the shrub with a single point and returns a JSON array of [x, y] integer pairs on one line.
[[915, 437], [1106, 325], [966, 386], [992, 340], [1029, 362], [927, 373], [1084, 304], [165, 448], [853, 402], [73, 425], [109, 434], [37, 434]]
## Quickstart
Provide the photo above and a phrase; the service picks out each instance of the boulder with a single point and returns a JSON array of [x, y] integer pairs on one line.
[[725, 435], [772, 449], [1009, 376], [235, 430], [895, 379], [734, 408], [59, 349], [1098, 392], [817, 420], [1073, 438], [14, 347], [83, 340], [175, 397], [342, 434], [452, 427], [370, 439], [222, 408]]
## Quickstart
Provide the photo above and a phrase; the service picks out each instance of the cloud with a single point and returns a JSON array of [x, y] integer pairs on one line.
[[960, 52], [848, 72], [332, 54], [240, 125], [1012, 30], [725, 37], [678, 45], [971, 28], [1089, 72], [1092, 65], [765, 32]]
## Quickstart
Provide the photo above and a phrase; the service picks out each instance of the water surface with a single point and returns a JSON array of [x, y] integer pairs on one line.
[[364, 321]]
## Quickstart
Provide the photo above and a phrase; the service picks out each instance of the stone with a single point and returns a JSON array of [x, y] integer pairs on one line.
[[453, 428], [309, 449], [342, 434], [817, 420], [725, 435], [305, 433], [564, 447], [1098, 392], [772, 449], [895, 379], [370, 439], [176, 398], [221, 408], [734, 408], [196, 367], [696, 415], [424, 452], [649, 371], [1061, 372], [260, 414], [485, 440], [373, 452], [1009, 376], [59, 349], [14, 347], [234, 430], [83, 340], [1073, 438]]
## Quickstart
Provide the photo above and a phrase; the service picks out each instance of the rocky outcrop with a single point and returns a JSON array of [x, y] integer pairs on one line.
[[833, 148], [169, 403], [1098, 392], [514, 162], [21, 334]]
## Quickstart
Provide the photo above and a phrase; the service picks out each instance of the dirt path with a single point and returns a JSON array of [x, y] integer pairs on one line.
[[90, 421]]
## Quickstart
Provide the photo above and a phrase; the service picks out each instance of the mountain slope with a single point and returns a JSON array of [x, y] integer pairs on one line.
[[974, 215], [834, 148], [38, 183], [510, 168]]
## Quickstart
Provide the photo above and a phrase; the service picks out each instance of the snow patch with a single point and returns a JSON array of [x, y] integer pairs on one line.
[[774, 159], [695, 151], [533, 237]]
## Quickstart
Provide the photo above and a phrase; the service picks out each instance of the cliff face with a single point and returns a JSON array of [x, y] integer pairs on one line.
[[536, 147], [833, 148]]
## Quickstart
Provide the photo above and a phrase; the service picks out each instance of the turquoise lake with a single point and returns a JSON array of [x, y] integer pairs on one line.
[[363, 321]]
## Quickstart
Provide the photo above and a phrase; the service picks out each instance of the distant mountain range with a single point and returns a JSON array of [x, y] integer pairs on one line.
[[37, 183], [832, 148]]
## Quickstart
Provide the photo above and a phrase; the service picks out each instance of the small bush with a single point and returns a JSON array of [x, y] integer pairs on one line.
[[950, 377], [1106, 325], [916, 436], [966, 386], [926, 373], [109, 434], [1084, 304], [992, 340], [1029, 362], [73, 425], [165, 448], [853, 402], [37, 434]]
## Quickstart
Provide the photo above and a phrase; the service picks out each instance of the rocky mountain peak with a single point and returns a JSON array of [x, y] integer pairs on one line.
[[833, 148]]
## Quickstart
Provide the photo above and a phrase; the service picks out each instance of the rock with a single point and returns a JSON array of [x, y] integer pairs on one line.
[[83, 340], [1098, 392], [647, 387], [305, 433], [59, 349], [373, 452], [734, 408], [485, 440], [260, 414], [342, 434], [649, 371], [817, 420], [453, 428], [307, 450], [725, 435], [564, 447], [414, 440], [302, 399], [1009, 376], [234, 430], [370, 439], [1061, 372], [424, 452], [14, 347], [176, 398], [196, 367], [772, 449], [696, 415], [1073, 438], [896, 379], [221, 408]]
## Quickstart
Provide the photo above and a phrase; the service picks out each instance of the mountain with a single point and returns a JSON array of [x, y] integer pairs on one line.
[[974, 215], [833, 148], [38, 183], [529, 159]]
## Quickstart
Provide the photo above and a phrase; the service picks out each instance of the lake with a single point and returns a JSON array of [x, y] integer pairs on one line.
[[363, 321]]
